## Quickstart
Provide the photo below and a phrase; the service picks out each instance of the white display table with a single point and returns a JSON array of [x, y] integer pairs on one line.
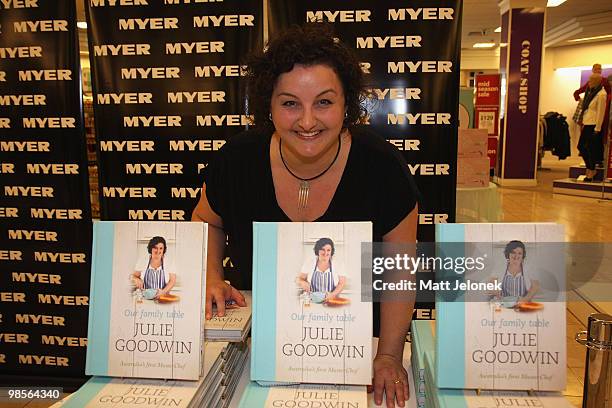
[[478, 204]]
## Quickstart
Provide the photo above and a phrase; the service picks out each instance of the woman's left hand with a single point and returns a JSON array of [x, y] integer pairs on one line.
[[390, 378], [160, 292]]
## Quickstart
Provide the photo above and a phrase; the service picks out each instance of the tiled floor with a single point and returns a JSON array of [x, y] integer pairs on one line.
[[585, 220]]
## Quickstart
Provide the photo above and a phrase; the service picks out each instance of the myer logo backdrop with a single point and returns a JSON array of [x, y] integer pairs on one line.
[[45, 221], [166, 96]]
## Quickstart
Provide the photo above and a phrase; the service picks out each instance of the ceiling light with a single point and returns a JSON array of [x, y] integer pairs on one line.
[[598, 37], [82, 25], [497, 30], [555, 3], [484, 45]]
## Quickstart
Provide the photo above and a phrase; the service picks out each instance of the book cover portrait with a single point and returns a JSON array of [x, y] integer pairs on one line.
[[309, 321], [147, 291], [511, 337]]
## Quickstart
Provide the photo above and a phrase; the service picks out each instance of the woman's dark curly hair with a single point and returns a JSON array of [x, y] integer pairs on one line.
[[511, 246], [154, 241], [321, 243], [310, 44]]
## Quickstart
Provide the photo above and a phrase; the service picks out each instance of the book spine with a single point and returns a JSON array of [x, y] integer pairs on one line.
[[450, 321], [263, 363], [92, 299], [202, 318], [101, 292], [254, 396], [86, 393]]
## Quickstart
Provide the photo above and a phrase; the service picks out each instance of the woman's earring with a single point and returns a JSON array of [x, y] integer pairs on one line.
[[345, 114], [270, 116]]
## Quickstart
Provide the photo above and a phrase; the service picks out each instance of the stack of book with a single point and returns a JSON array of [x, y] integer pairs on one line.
[[146, 343], [225, 373], [304, 395], [234, 326], [508, 340], [422, 340], [224, 362], [255, 395], [456, 398], [310, 323], [311, 327]]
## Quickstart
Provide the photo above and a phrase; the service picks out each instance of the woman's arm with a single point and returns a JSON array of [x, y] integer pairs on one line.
[[395, 318], [339, 287], [533, 290], [217, 290], [302, 281], [137, 280], [601, 110], [169, 285], [580, 90]]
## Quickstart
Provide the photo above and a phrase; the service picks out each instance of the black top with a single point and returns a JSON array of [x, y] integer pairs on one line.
[[375, 186]]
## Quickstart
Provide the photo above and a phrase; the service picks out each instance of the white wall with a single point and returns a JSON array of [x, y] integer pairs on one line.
[[479, 60], [561, 68]]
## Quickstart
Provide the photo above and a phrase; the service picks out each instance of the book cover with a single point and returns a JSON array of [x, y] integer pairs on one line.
[[511, 336], [310, 324], [304, 395], [450, 398], [101, 392], [147, 291]]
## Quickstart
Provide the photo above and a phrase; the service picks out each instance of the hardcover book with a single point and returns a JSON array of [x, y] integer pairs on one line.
[[449, 398], [305, 395], [504, 329], [234, 326], [146, 300], [310, 323], [101, 392]]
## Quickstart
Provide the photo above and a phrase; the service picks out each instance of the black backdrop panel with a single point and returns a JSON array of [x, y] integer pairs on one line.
[[410, 53], [45, 221], [166, 95]]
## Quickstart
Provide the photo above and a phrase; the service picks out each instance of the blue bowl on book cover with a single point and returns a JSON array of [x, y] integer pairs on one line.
[[509, 301], [149, 294], [317, 297]]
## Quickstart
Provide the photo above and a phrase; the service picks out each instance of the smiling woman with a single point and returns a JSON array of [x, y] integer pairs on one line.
[[307, 160]]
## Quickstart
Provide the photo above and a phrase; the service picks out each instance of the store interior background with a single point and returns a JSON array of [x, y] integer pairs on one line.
[[585, 219]]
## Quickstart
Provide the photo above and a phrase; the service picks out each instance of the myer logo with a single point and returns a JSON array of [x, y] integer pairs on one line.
[[394, 41], [201, 47], [32, 51], [154, 23], [425, 13], [23, 100], [18, 4], [40, 25], [418, 118], [121, 49], [400, 67], [230, 20], [340, 16], [102, 3]]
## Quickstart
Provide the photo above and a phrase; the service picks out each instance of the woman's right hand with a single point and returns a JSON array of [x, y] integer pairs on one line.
[[218, 291], [138, 283], [304, 285]]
